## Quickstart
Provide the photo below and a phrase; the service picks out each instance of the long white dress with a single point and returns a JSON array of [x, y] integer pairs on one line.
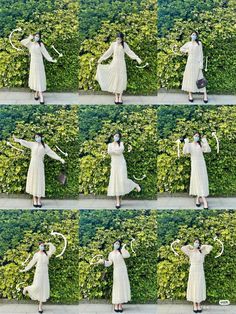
[[196, 291], [40, 288], [121, 286], [193, 68], [113, 77], [35, 184], [119, 184], [199, 185], [37, 76]]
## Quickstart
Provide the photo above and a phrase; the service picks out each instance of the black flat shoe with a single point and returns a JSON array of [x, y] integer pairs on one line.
[[42, 102], [36, 98], [39, 205], [116, 102], [40, 311], [190, 99], [117, 206], [120, 102], [205, 101], [195, 311], [121, 311], [199, 311], [205, 208], [35, 205], [117, 311], [198, 205]]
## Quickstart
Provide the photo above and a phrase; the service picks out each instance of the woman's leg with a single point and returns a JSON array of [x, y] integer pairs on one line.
[[205, 99], [41, 98], [35, 200], [118, 202], [138, 188], [41, 307], [116, 307], [190, 96], [198, 202], [120, 98], [39, 201], [121, 307], [205, 204], [36, 95], [116, 98], [195, 308], [199, 307]]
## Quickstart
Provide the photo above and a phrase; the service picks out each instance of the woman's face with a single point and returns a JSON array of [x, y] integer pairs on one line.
[[41, 247], [116, 137], [196, 244], [193, 36], [36, 37], [117, 245], [119, 40], [196, 137], [38, 138]]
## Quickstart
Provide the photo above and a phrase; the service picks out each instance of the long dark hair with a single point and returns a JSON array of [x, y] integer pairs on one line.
[[120, 242], [199, 141], [112, 135], [44, 251], [200, 244], [121, 36], [197, 39], [40, 37], [41, 135]]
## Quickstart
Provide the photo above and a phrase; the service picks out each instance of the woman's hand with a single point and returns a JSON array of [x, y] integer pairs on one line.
[[139, 60], [186, 140], [101, 261], [14, 138], [22, 271], [62, 161], [54, 61]]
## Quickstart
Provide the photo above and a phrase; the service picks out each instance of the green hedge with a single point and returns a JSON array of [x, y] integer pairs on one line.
[[20, 233], [217, 33], [137, 22], [58, 23], [138, 127], [173, 271], [59, 124], [176, 121], [98, 231]]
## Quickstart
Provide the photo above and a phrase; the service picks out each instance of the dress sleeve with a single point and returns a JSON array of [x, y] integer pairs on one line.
[[109, 262], [52, 154], [206, 249], [116, 150], [27, 42], [187, 148], [187, 249], [25, 143], [52, 250], [107, 54], [185, 48], [32, 262], [45, 53], [125, 253], [200, 56], [205, 146], [130, 53]]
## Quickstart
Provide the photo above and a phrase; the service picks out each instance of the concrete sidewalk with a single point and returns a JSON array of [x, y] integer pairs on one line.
[[166, 97], [108, 309], [33, 309], [188, 309], [163, 202]]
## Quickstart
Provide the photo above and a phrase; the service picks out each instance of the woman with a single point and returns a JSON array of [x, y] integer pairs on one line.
[[119, 184], [35, 184], [193, 70], [37, 76], [196, 291], [40, 288], [121, 286], [199, 179], [113, 77]]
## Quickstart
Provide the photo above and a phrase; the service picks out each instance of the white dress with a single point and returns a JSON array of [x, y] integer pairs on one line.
[[193, 68], [35, 184], [199, 179], [119, 184], [37, 76], [121, 286], [40, 288], [113, 77], [196, 291]]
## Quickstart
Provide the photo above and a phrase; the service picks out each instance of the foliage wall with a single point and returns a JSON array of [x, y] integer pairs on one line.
[[20, 234], [176, 121], [138, 127], [58, 22], [216, 27], [173, 270], [100, 21], [59, 124], [98, 231]]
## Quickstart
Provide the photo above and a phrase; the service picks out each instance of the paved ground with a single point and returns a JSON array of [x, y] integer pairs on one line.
[[24, 96], [187, 309], [32, 309], [95, 203], [108, 309]]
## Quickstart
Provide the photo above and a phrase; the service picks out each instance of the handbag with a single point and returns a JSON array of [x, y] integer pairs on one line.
[[62, 177], [201, 83]]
